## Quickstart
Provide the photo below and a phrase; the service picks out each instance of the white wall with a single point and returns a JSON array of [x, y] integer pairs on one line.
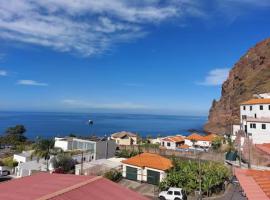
[[258, 134], [198, 143], [63, 144], [265, 113], [20, 159], [172, 144], [142, 172]]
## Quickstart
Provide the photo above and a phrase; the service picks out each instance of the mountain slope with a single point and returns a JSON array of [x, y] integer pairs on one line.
[[250, 75]]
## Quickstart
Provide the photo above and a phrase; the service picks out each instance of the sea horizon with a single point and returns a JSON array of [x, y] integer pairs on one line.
[[51, 124]]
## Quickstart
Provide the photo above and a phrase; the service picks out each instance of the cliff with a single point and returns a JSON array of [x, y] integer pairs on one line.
[[250, 75]]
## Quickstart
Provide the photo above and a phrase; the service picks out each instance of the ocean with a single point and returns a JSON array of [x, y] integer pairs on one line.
[[49, 125]]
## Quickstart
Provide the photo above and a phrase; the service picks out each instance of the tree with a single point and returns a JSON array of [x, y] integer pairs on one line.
[[44, 148], [216, 143], [15, 135], [113, 175], [64, 162], [9, 162]]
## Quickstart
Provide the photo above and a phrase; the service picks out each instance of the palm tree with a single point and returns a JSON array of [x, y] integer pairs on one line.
[[44, 148]]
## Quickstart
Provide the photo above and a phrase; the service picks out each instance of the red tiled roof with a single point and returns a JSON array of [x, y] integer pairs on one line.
[[264, 147], [150, 160], [255, 183], [198, 137], [174, 139], [256, 101], [45, 186]]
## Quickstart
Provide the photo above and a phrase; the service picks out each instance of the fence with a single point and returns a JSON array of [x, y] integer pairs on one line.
[[207, 155]]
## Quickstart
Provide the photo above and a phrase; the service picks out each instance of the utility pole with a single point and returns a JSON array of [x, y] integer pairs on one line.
[[249, 157], [81, 163]]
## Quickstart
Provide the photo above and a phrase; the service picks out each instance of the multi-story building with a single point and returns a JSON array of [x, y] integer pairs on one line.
[[93, 150], [255, 119], [125, 138]]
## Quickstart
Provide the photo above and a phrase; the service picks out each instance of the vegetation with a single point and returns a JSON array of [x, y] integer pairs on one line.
[[113, 175], [217, 143], [14, 136], [186, 175], [44, 148], [124, 153], [64, 162], [9, 162]]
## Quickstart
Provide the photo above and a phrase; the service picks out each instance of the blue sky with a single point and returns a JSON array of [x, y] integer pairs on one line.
[[148, 56]]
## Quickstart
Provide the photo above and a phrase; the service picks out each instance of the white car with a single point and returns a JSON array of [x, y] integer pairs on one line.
[[173, 194]]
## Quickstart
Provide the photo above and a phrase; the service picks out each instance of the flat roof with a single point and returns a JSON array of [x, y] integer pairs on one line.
[[255, 183], [44, 186]]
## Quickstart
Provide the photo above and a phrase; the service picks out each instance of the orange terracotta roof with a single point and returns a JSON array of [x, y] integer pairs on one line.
[[256, 101], [184, 146], [198, 137], [150, 160], [174, 139], [265, 147], [255, 183]]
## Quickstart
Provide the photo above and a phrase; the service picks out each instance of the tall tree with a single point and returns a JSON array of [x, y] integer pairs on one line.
[[15, 135], [44, 148]]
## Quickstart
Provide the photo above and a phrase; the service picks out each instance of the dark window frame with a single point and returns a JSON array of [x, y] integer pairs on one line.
[[263, 126], [261, 107]]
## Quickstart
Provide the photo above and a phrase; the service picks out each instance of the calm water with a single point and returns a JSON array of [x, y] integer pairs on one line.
[[61, 124]]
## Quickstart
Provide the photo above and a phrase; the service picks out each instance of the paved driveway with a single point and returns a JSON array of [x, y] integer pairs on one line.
[[145, 189]]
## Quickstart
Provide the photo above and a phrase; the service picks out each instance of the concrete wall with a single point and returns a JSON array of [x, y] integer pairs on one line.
[[142, 172], [105, 149]]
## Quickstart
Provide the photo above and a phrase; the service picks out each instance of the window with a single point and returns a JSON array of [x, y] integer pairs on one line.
[[261, 107], [168, 144], [177, 193], [255, 115], [263, 126], [254, 125], [244, 107], [170, 192], [251, 125], [244, 117], [269, 107], [163, 144], [250, 107]]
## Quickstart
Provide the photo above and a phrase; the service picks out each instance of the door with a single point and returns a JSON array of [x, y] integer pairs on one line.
[[131, 173], [153, 177]]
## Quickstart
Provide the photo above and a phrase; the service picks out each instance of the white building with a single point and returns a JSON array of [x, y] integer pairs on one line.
[[196, 140], [172, 142], [255, 119], [23, 157], [93, 149], [146, 167]]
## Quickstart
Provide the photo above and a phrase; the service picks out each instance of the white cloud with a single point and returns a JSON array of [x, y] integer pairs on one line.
[[86, 27], [87, 104], [215, 77], [31, 83], [3, 73]]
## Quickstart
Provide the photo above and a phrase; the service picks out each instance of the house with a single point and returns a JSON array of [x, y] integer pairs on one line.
[[196, 140], [27, 168], [146, 167], [255, 119], [23, 157], [255, 183], [125, 138], [46, 186], [93, 150], [172, 142]]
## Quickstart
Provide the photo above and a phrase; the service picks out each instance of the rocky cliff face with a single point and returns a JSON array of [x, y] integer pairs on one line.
[[251, 75]]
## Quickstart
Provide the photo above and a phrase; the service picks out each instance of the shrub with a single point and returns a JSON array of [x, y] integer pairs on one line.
[[9, 162], [64, 162], [126, 153], [186, 175], [113, 175]]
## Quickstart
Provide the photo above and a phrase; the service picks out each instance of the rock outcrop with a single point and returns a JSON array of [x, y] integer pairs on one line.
[[251, 75]]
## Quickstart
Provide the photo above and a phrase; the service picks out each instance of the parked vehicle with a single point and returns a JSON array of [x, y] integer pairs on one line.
[[173, 194], [4, 173]]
